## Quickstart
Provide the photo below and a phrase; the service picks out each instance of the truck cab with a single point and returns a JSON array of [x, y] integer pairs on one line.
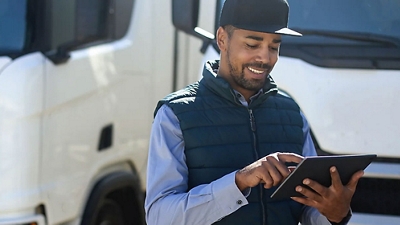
[[344, 73], [79, 81]]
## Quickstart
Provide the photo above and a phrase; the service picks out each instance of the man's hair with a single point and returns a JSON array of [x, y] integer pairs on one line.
[[229, 29]]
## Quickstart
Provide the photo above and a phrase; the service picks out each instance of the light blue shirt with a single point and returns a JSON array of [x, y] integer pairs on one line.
[[167, 200]]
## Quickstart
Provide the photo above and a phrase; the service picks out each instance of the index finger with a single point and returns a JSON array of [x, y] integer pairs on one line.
[[290, 157]]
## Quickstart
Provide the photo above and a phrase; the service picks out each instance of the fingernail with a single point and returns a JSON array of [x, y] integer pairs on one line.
[[306, 181], [298, 189], [333, 169]]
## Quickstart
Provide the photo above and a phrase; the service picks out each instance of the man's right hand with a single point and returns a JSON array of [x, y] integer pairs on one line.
[[269, 170]]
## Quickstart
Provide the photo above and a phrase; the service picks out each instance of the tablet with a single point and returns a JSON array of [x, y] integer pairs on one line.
[[317, 168]]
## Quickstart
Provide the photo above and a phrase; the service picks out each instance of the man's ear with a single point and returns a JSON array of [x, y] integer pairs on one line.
[[222, 39]]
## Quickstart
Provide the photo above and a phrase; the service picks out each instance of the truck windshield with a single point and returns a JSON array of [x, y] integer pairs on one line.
[[344, 33], [374, 19], [12, 26]]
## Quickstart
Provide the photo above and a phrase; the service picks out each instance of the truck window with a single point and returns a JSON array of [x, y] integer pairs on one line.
[[12, 26], [82, 22], [50, 25]]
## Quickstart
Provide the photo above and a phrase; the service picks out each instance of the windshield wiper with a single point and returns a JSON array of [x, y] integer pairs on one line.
[[356, 36]]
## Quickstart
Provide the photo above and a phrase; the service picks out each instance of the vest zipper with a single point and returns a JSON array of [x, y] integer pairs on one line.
[[254, 128]]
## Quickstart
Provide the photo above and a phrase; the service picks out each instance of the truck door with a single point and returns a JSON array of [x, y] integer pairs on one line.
[[85, 76]]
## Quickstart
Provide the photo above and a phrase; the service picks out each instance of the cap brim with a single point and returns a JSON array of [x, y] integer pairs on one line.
[[269, 29], [288, 31]]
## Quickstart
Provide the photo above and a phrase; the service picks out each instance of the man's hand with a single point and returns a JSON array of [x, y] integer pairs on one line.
[[270, 170], [333, 202]]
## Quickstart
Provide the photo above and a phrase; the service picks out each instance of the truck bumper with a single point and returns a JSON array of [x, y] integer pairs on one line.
[[36, 219]]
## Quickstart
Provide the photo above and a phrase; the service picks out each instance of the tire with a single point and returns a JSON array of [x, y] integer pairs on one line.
[[116, 199], [109, 213]]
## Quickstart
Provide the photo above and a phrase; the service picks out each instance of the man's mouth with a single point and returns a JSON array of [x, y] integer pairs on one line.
[[256, 71]]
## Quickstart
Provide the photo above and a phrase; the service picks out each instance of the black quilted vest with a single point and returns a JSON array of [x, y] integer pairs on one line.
[[221, 135]]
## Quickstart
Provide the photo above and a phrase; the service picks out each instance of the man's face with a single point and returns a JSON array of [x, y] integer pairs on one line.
[[247, 58]]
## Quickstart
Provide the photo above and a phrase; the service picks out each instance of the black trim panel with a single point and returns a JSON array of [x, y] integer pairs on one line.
[[106, 137], [377, 159], [377, 196], [334, 56]]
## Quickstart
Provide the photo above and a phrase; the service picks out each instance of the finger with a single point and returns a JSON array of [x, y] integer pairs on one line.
[[273, 172], [279, 169], [310, 195], [290, 157], [335, 178], [267, 180], [291, 168], [317, 187], [263, 174], [304, 201], [352, 184]]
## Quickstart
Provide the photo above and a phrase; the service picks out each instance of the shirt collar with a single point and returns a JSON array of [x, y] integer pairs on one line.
[[243, 101]]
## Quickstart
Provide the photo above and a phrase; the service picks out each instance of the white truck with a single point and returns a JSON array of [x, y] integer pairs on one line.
[[79, 81], [345, 75]]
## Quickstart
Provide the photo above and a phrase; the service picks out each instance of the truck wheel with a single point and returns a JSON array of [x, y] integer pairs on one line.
[[115, 200], [110, 213]]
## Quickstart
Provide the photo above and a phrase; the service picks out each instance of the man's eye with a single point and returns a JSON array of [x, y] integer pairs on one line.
[[274, 49], [251, 46]]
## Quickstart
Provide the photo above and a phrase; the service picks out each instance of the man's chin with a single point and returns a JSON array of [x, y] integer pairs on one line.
[[254, 88]]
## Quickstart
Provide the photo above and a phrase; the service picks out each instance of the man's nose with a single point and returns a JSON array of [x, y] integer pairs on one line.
[[263, 56]]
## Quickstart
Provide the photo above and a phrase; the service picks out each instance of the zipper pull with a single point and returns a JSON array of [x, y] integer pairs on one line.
[[252, 120]]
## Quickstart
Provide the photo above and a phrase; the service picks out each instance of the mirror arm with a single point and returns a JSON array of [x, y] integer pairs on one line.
[[60, 56]]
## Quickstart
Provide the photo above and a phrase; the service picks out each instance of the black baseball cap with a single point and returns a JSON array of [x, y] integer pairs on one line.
[[268, 16]]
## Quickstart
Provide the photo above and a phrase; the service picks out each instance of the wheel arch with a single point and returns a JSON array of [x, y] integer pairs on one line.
[[122, 187]]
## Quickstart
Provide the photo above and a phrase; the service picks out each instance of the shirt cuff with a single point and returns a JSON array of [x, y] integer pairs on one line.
[[345, 220], [227, 194]]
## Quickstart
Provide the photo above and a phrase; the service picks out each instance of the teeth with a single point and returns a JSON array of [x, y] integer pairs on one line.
[[255, 71]]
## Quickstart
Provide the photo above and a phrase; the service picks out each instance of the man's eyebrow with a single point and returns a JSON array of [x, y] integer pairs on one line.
[[257, 38]]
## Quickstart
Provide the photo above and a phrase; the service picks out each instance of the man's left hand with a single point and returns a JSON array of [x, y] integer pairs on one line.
[[333, 202]]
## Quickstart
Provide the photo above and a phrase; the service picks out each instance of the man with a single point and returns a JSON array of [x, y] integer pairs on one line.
[[218, 147]]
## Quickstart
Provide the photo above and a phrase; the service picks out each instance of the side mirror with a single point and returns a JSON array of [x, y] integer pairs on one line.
[[185, 15]]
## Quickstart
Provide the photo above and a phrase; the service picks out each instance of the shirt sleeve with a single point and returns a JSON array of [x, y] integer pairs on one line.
[[311, 216], [167, 199], [308, 147]]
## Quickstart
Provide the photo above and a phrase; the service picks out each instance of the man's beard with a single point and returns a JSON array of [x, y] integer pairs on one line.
[[239, 78]]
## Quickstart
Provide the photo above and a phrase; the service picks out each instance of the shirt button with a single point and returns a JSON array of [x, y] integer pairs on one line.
[[239, 202]]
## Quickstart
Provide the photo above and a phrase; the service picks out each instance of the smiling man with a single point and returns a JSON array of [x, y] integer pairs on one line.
[[219, 147]]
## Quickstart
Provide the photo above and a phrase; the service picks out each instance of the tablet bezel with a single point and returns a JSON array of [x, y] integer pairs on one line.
[[317, 168]]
